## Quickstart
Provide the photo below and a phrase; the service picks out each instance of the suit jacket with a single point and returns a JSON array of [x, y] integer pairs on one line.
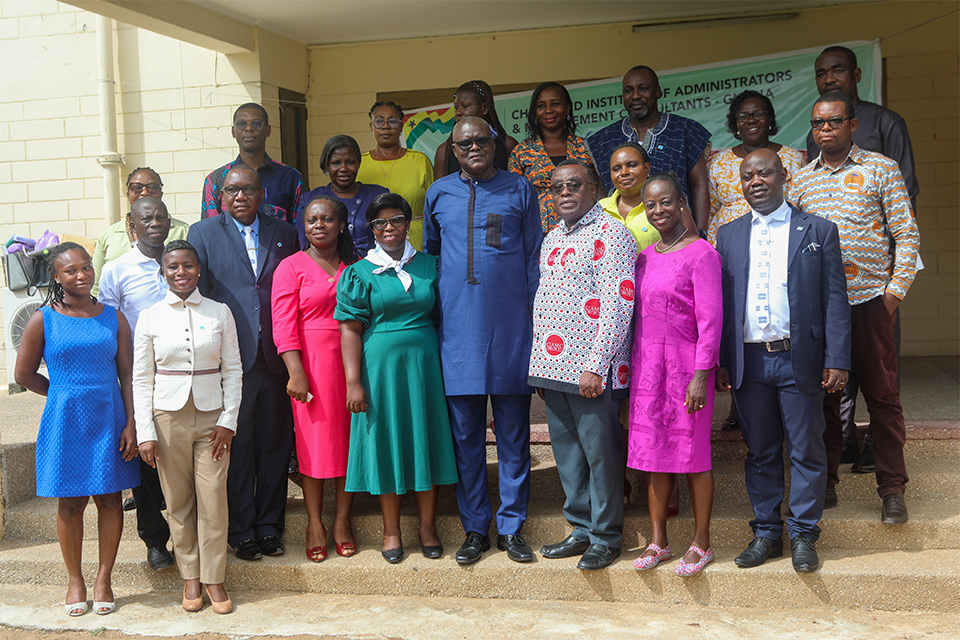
[[226, 277], [816, 291]]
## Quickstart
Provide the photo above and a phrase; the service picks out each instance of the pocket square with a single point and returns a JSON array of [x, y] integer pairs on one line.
[[812, 247]]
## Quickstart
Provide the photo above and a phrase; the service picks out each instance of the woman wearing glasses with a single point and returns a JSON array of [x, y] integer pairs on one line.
[[400, 437], [117, 239], [551, 139], [406, 172], [474, 98], [751, 120]]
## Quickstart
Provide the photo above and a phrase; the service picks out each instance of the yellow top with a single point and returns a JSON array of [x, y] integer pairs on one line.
[[643, 232], [408, 176]]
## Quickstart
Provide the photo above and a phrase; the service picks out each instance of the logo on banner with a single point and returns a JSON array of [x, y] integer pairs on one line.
[[626, 290], [592, 308], [553, 345]]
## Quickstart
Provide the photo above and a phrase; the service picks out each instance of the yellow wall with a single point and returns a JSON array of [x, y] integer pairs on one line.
[[922, 72]]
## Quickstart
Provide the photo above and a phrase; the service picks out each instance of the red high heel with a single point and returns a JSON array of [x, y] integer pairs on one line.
[[317, 554], [346, 549]]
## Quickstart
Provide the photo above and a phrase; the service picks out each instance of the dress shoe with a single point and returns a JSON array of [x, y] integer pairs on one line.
[[517, 550], [222, 607], [271, 546], [865, 463], [894, 509], [805, 559], [830, 499], [598, 556], [730, 424], [393, 556], [159, 558], [191, 605], [248, 550], [758, 551], [129, 504], [472, 548], [850, 453], [431, 551], [566, 548]]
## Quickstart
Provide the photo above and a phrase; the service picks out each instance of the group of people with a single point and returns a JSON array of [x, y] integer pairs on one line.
[[368, 323]]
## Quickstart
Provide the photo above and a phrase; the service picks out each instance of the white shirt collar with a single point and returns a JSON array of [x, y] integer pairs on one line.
[[172, 299], [780, 214]]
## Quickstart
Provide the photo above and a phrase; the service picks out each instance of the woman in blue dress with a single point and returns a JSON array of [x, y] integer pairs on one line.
[[87, 440]]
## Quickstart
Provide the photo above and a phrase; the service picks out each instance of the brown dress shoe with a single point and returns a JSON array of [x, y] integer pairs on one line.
[[894, 509]]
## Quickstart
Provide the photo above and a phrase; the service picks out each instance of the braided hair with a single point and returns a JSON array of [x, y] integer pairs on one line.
[[55, 291], [346, 249], [533, 125]]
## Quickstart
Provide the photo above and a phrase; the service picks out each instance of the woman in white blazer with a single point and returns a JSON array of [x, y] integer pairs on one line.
[[187, 379]]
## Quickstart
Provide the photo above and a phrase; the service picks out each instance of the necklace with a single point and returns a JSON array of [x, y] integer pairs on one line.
[[382, 159], [657, 248]]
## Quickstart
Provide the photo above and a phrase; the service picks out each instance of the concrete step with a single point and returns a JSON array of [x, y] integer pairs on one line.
[[853, 525], [869, 580]]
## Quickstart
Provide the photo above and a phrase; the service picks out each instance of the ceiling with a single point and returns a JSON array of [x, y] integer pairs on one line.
[[316, 22]]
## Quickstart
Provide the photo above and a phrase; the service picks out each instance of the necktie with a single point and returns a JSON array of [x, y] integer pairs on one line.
[[251, 246], [762, 270]]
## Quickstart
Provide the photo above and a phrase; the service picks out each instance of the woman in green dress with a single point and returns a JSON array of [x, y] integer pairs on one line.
[[400, 437]]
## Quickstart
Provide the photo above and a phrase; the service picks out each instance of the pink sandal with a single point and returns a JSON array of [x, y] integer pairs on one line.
[[649, 562], [686, 569]]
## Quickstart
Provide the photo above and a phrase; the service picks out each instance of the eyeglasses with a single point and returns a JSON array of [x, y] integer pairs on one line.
[[256, 125], [573, 186], [483, 142], [387, 123], [745, 117], [381, 223], [151, 187], [835, 123], [248, 190]]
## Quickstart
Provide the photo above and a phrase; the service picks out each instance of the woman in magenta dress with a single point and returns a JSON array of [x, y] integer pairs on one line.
[[308, 340], [678, 316]]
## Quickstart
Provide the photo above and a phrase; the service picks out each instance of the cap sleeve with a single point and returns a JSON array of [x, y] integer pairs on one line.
[[353, 297]]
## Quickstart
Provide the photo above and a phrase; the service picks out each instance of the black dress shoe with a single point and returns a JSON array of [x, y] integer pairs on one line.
[[805, 557], [894, 509], [393, 556], [850, 453], [248, 550], [129, 504], [432, 551], [271, 546], [730, 424], [598, 556], [567, 548], [472, 548], [865, 463], [758, 551], [517, 550], [159, 558], [830, 499]]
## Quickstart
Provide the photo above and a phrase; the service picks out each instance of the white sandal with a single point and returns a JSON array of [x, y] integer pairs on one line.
[[75, 609], [108, 607]]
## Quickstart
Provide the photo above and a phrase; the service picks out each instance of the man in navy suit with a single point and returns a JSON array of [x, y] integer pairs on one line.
[[239, 251], [786, 341]]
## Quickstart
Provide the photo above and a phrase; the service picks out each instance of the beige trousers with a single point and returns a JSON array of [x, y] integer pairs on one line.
[[195, 489]]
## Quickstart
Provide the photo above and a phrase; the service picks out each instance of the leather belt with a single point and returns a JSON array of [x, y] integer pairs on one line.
[[776, 345], [198, 372]]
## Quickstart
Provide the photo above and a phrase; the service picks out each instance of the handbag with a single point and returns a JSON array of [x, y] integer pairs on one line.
[[24, 271]]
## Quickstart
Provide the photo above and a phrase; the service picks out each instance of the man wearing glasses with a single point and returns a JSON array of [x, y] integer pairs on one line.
[[863, 193], [282, 184], [239, 251], [484, 224]]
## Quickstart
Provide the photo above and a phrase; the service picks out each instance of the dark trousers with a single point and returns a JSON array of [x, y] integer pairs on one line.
[[874, 361], [511, 415], [773, 410], [587, 443], [848, 405], [257, 480], [151, 525]]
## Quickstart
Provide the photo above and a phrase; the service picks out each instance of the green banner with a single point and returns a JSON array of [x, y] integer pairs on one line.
[[702, 93]]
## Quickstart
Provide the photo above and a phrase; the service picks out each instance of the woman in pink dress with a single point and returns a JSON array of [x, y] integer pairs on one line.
[[308, 340], [679, 312]]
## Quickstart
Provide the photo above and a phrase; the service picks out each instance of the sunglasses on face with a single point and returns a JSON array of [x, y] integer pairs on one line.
[[151, 187], [573, 186], [835, 123], [381, 223], [483, 142], [248, 190], [256, 125]]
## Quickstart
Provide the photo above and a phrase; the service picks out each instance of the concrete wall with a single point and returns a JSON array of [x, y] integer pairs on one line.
[[922, 85]]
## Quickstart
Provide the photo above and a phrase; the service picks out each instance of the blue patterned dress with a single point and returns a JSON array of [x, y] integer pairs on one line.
[[79, 440]]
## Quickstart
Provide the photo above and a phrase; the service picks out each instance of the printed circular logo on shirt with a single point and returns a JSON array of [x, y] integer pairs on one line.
[[851, 270], [552, 258], [591, 307], [569, 253], [853, 181], [553, 345], [623, 374], [626, 289], [598, 249]]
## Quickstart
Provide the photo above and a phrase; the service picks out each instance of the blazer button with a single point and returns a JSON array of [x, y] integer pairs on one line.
[[256, 308], [257, 286]]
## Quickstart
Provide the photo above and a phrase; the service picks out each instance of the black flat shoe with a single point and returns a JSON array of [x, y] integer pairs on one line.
[[431, 551], [129, 504], [730, 424], [758, 551], [865, 464], [830, 499], [271, 546], [566, 548], [805, 559], [598, 556], [517, 550], [159, 558], [393, 556], [248, 550], [894, 509], [472, 548]]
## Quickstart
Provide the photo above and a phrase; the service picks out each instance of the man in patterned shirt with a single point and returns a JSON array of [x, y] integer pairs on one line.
[[282, 185], [863, 193], [580, 359]]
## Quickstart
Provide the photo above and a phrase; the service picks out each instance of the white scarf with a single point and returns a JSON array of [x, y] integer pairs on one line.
[[383, 260]]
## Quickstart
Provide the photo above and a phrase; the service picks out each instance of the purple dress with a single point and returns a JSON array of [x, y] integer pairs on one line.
[[679, 314]]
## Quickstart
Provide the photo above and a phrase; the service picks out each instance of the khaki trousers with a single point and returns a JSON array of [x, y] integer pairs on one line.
[[195, 488]]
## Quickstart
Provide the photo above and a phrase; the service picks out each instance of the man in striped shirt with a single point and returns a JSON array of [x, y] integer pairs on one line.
[[864, 194]]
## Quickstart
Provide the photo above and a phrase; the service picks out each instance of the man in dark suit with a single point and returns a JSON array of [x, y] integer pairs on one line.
[[239, 251], [786, 341]]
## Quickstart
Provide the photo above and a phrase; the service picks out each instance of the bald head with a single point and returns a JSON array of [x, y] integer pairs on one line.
[[246, 172], [476, 134], [762, 177], [151, 224], [140, 205]]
